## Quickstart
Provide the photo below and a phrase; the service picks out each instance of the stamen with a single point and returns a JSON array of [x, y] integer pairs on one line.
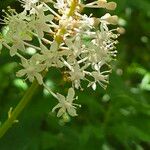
[[50, 91]]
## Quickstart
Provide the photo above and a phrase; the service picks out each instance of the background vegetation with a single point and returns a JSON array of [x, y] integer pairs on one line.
[[114, 119]]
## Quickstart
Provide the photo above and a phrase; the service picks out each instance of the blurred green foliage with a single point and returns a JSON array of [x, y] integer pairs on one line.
[[115, 119]]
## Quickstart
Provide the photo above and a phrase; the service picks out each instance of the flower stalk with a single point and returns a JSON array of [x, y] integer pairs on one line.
[[33, 88], [19, 108]]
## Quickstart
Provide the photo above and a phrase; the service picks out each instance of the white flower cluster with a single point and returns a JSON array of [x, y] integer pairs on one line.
[[67, 39]]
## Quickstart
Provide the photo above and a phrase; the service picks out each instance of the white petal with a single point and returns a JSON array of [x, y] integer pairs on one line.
[[40, 32], [13, 51], [60, 112], [40, 67], [49, 17], [71, 111], [70, 95], [61, 98], [54, 46], [30, 77], [25, 63], [21, 73], [94, 86], [107, 15], [96, 67], [69, 43]]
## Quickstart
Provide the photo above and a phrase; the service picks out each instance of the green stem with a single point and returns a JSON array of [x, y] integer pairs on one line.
[[21, 105]]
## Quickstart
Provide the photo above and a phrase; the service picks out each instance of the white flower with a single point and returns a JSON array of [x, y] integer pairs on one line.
[[52, 57], [17, 42], [99, 77], [75, 45], [108, 19], [87, 22], [32, 69], [60, 4], [17, 45], [40, 23], [66, 104], [18, 31], [76, 75], [27, 4]]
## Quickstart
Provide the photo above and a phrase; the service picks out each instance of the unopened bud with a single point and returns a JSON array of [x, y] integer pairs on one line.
[[112, 19], [102, 3], [111, 6], [121, 30]]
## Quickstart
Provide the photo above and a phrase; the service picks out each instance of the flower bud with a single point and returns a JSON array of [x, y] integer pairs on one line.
[[121, 30], [107, 18], [111, 6], [113, 20], [102, 3]]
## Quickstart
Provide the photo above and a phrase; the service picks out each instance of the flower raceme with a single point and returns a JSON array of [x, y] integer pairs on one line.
[[82, 45]]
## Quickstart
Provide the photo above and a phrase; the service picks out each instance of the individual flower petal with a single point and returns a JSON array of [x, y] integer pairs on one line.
[[39, 78], [70, 96], [61, 98], [72, 111], [54, 46], [61, 111], [21, 73]]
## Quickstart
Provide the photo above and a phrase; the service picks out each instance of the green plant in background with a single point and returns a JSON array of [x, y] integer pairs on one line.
[[115, 119]]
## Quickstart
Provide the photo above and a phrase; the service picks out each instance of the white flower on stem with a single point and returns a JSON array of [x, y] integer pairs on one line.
[[40, 22], [32, 69], [97, 53], [86, 22], [60, 4], [66, 104], [16, 41], [100, 78], [102, 47], [18, 44], [17, 32], [76, 75], [27, 4], [51, 57], [75, 45]]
